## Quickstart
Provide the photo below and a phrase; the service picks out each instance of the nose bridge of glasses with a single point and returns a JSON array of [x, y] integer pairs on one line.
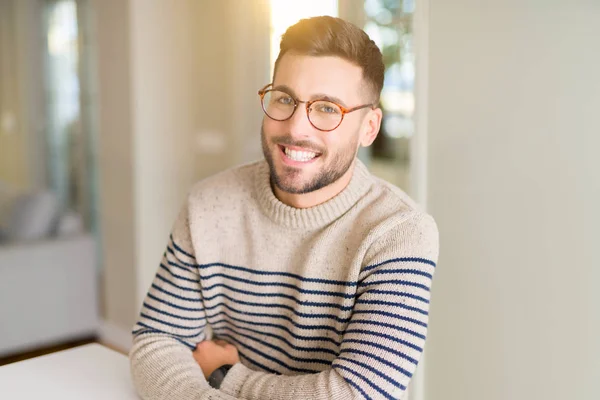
[[307, 105], [304, 116], [298, 122]]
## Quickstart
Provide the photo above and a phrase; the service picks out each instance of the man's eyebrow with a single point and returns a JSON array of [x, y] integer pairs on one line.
[[286, 89], [333, 99], [318, 96]]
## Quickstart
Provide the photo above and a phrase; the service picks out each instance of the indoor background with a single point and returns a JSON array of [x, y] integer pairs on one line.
[[111, 109]]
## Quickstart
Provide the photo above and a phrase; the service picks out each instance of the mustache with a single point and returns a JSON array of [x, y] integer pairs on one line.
[[288, 141]]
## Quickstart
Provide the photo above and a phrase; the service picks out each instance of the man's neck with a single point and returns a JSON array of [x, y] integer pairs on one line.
[[312, 199]]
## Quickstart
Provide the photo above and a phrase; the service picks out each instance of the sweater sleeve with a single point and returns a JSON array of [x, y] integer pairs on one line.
[[384, 339], [171, 323]]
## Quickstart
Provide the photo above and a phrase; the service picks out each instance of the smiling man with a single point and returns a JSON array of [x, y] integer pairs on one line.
[[301, 276]]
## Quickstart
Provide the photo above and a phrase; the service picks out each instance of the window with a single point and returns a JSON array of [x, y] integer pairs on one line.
[[390, 24], [70, 101], [285, 13]]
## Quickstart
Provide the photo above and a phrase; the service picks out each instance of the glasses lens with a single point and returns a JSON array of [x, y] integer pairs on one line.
[[325, 115], [278, 105]]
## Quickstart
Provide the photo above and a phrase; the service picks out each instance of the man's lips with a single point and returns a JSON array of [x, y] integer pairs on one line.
[[288, 160], [296, 148]]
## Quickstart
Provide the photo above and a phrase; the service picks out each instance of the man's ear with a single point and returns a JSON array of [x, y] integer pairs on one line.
[[371, 127]]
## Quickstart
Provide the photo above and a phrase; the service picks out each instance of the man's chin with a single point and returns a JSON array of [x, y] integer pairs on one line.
[[287, 185], [293, 179], [292, 189]]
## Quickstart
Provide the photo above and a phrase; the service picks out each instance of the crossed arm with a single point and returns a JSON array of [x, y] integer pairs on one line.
[[380, 347]]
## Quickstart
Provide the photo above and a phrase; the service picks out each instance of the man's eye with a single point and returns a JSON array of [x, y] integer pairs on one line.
[[327, 108], [286, 100]]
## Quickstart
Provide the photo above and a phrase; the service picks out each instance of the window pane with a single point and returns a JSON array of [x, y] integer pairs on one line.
[[285, 13], [389, 24]]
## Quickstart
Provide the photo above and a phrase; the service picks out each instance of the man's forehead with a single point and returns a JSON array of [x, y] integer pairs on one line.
[[312, 76]]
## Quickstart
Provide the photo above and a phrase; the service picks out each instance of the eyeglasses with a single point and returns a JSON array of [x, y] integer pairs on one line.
[[324, 115]]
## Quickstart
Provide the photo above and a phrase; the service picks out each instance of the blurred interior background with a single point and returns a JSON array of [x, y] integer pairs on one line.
[[111, 109]]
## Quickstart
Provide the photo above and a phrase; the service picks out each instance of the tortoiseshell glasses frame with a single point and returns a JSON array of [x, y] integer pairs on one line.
[[326, 122]]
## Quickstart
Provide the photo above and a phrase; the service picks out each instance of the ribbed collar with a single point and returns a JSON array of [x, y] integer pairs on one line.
[[314, 217]]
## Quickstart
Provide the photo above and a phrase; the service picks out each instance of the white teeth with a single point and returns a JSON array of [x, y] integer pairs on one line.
[[300, 155]]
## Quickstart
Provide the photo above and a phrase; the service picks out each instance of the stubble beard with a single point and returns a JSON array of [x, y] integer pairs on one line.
[[289, 180]]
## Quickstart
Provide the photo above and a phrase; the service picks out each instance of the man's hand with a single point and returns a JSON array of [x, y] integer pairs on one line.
[[212, 354]]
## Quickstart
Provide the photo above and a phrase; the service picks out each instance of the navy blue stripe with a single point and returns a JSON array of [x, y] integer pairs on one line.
[[179, 249], [401, 317], [396, 282], [276, 284], [388, 363], [262, 333], [379, 346], [390, 326], [392, 304], [285, 296], [174, 275], [381, 360], [170, 250], [168, 333], [355, 384], [402, 259], [146, 331], [273, 305], [146, 316], [153, 297], [373, 385], [197, 299], [148, 306], [285, 317], [284, 328], [187, 289], [268, 357], [186, 269], [259, 365], [402, 271], [389, 314], [279, 349], [383, 335], [276, 273], [143, 330], [395, 293], [375, 371]]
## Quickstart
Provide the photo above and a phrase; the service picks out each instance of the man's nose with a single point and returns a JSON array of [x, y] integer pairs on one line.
[[299, 124]]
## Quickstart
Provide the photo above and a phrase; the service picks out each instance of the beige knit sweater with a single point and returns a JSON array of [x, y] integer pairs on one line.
[[329, 302]]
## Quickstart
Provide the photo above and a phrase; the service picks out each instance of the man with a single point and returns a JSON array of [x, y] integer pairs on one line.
[[313, 275]]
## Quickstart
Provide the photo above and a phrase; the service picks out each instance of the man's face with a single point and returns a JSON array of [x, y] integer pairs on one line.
[[309, 78]]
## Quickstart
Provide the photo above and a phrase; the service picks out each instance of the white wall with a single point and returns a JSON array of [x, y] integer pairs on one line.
[[21, 161], [514, 183], [162, 82], [193, 83], [178, 103], [115, 165], [12, 168]]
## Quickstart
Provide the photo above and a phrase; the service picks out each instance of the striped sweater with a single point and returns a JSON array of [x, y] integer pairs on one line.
[[329, 302]]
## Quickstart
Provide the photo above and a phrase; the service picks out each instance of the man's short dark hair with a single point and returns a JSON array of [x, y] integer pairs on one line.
[[329, 36]]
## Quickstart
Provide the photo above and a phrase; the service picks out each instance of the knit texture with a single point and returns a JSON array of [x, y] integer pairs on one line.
[[329, 302]]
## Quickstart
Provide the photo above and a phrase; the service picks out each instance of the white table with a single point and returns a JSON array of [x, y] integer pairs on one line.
[[90, 372]]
